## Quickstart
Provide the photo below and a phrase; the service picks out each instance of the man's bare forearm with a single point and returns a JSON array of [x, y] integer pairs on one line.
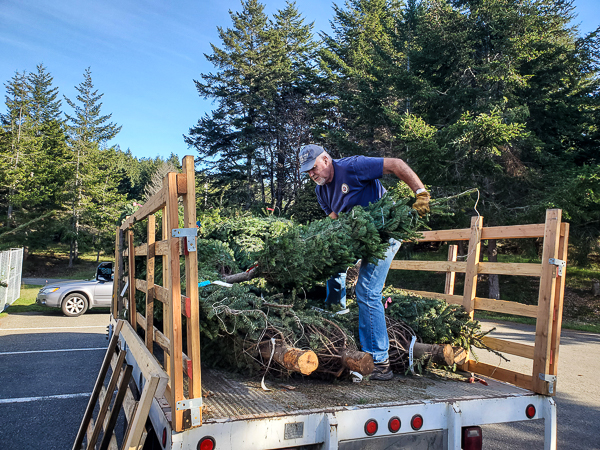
[[399, 168]]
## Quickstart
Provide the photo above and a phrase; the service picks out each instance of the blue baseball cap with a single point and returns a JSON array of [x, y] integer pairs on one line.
[[308, 156]]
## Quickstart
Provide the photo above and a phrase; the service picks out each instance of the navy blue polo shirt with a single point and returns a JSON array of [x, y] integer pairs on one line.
[[355, 182]]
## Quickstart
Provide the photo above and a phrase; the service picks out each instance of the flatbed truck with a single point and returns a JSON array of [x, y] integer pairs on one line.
[[189, 407]]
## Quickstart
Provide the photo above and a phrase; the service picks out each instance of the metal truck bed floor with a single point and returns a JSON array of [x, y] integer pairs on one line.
[[229, 396]]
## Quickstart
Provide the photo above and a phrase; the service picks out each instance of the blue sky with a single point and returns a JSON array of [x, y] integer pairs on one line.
[[143, 54]]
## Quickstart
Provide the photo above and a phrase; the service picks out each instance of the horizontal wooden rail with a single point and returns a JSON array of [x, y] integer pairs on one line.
[[430, 266], [156, 202], [485, 304], [161, 249], [508, 376], [508, 232], [160, 293], [449, 298], [506, 307], [157, 336], [523, 269], [512, 348]]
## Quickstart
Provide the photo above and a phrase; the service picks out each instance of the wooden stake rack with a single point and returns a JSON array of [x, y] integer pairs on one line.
[[136, 411], [547, 312], [185, 410]]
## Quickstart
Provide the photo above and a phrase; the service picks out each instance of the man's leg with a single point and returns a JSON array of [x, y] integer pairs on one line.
[[336, 291], [371, 319]]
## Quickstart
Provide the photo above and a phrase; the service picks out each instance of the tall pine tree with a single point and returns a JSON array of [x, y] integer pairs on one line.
[[89, 132], [228, 138]]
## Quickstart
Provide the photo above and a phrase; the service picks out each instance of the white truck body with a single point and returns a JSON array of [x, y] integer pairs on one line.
[[304, 413]]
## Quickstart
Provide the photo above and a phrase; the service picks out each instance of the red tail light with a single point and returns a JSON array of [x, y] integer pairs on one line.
[[394, 424], [416, 422], [206, 443], [472, 438], [164, 438], [371, 427], [530, 411]]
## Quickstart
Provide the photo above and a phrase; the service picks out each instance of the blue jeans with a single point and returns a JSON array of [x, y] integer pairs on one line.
[[371, 319], [336, 290]]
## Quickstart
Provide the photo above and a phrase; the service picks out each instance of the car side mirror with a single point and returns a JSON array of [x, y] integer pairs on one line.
[[104, 272]]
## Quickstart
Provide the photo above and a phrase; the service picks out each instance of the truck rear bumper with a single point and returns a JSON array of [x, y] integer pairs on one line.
[[345, 429]]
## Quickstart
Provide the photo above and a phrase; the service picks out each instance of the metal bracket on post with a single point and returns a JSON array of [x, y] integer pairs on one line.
[[550, 379], [194, 405], [189, 234], [558, 263]]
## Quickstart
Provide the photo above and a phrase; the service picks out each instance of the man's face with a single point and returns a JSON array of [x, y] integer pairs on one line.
[[322, 172]]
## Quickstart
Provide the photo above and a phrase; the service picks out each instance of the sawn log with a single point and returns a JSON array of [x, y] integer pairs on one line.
[[439, 353], [356, 361], [294, 359]]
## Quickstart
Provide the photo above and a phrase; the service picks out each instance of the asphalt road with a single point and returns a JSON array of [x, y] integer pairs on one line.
[[49, 363], [48, 367], [577, 398]]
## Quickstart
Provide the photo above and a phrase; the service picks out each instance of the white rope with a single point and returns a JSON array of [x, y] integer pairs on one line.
[[262, 382], [356, 377], [125, 288], [410, 354]]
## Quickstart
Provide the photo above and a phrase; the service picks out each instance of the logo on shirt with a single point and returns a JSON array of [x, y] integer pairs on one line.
[[345, 188]]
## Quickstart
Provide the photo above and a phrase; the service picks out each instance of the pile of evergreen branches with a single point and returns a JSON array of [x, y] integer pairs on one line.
[[289, 260]]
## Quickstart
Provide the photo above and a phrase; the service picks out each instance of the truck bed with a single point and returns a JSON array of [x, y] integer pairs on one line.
[[233, 397]]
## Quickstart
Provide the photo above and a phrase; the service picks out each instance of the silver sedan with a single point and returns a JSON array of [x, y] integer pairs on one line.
[[77, 296]]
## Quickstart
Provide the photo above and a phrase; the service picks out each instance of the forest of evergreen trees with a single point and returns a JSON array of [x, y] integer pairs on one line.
[[499, 95], [59, 181]]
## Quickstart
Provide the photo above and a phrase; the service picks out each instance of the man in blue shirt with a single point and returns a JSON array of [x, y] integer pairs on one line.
[[341, 185]]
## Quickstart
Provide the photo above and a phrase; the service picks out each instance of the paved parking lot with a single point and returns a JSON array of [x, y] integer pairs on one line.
[[48, 367], [49, 363]]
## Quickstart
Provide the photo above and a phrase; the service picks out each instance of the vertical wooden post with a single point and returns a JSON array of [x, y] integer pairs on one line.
[[451, 276], [472, 265], [191, 277], [132, 307], [558, 300], [544, 324], [117, 303], [166, 309], [174, 290], [150, 283]]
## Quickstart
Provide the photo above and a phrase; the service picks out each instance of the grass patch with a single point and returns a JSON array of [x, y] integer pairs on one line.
[[26, 302], [54, 263], [581, 277], [589, 327]]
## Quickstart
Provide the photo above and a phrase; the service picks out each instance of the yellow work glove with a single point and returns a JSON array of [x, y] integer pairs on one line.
[[422, 203]]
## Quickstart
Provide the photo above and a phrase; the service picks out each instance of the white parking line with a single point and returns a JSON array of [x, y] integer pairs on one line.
[[52, 328], [46, 397], [53, 351]]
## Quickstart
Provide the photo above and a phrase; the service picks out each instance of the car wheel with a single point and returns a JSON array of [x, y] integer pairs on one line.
[[74, 305]]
